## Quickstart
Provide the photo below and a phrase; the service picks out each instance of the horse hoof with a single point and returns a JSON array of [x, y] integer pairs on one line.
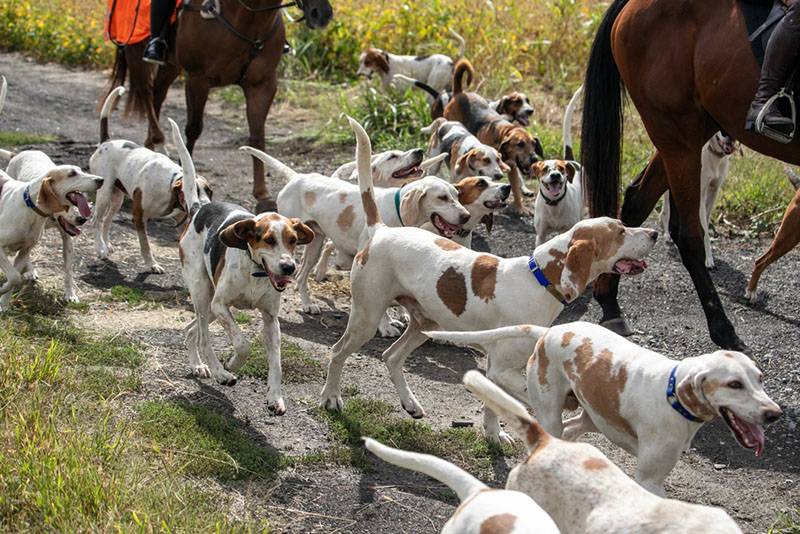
[[266, 204], [619, 326]]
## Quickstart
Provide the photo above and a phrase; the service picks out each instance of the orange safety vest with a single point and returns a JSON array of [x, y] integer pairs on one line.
[[128, 21]]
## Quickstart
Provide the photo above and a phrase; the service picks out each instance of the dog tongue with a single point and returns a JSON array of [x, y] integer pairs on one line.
[[81, 203], [751, 435], [630, 266]]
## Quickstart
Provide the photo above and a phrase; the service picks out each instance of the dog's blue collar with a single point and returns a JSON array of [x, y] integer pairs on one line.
[[397, 205], [544, 282], [26, 196], [672, 399]]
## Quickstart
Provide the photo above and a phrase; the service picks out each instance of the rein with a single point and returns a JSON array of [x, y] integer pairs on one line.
[[297, 3]]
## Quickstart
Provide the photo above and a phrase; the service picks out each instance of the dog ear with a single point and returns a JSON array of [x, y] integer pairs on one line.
[[577, 268], [238, 234], [488, 222], [411, 204], [465, 162], [502, 164], [47, 200], [571, 170], [305, 234], [538, 169], [690, 392], [537, 148], [383, 61], [176, 194], [501, 105]]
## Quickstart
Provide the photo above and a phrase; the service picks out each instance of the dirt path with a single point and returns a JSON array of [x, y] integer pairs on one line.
[[661, 303]]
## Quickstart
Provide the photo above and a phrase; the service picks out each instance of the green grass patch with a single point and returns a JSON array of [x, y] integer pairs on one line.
[[242, 317], [787, 523], [105, 383], [24, 138], [133, 296], [296, 365]]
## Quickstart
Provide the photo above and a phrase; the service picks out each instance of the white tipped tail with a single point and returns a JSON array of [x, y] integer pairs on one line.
[[454, 477], [434, 126], [569, 154], [507, 407], [364, 166], [272, 166], [462, 44], [7, 154], [3, 91], [105, 112], [189, 175], [794, 179], [433, 162], [482, 337]]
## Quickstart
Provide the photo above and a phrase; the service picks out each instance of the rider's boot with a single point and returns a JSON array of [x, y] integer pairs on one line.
[[156, 49], [781, 57]]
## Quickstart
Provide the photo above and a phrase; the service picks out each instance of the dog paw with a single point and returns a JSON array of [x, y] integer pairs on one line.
[[201, 371], [414, 409], [31, 276], [501, 438], [276, 407], [156, 269], [72, 297], [751, 296], [225, 379], [710, 263], [333, 403], [311, 309]]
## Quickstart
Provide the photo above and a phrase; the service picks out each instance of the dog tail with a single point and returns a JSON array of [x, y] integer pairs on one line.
[[189, 174], [569, 154], [508, 408], [433, 162], [434, 126], [462, 67], [452, 476], [108, 105], [3, 91], [482, 337], [272, 166], [7, 154], [364, 165], [794, 179], [416, 83], [462, 44]]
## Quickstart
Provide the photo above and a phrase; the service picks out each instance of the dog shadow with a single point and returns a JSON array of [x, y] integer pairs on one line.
[[105, 274]]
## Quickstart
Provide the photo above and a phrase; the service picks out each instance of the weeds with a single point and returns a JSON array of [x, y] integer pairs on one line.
[[296, 366], [786, 523], [24, 138]]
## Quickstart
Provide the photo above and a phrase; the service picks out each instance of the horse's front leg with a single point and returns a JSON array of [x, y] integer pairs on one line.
[[197, 89], [259, 100]]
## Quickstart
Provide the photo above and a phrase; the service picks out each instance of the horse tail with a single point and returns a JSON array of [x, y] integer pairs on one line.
[[462, 67], [137, 101], [601, 139]]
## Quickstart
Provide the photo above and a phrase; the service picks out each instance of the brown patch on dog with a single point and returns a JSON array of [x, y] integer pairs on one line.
[[342, 198], [346, 218], [499, 524], [536, 438], [728, 355], [691, 400], [218, 269], [484, 276], [362, 256], [595, 464], [376, 59], [553, 269], [566, 339], [544, 362], [370, 209], [302, 232], [446, 244], [310, 197], [607, 238], [47, 200], [469, 189], [138, 210], [452, 289], [599, 385]]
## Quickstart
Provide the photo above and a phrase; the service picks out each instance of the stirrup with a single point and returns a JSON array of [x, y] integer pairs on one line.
[[210, 9], [764, 129]]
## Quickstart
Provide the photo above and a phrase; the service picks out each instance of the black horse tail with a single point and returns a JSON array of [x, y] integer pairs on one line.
[[601, 137], [137, 102]]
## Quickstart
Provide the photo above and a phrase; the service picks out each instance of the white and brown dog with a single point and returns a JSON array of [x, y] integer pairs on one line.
[[443, 284], [464, 154], [581, 489], [393, 168], [48, 192], [152, 180], [559, 204], [483, 510], [644, 402], [231, 257], [715, 165], [434, 70], [333, 209]]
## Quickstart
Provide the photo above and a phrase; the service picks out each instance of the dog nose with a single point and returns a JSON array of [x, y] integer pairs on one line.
[[498, 176], [287, 267], [770, 416], [653, 234], [98, 182], [418, 153], [463, 218], [81, 220], [505, 190]]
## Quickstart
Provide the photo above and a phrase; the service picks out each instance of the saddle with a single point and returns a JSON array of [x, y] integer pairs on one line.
[[761, 17], [128, 21]]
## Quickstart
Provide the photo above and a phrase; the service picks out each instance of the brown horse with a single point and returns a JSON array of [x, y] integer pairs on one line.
[[241, 47], [689, 70]]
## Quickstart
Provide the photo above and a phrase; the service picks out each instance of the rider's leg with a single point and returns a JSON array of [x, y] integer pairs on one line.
[[779, 60], [156, 49]]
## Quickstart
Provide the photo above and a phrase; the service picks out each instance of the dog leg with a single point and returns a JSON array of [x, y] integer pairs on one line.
[[513, 382], [113, 208], [577, 426], [199, 369], [515, 179], [706, 237], [68, 253], [24, 265], [311, 256], [271, 332], [321, 271], [240, 344], [664, 219], [140, 222], [395, 356], [655, 460], [13, 280]]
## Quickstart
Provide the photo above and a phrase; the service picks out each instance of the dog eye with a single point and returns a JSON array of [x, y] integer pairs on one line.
[[392, 156], [521, 144], [482, 184], [270, 241], [72, 174], [735, 384], [443, 198]]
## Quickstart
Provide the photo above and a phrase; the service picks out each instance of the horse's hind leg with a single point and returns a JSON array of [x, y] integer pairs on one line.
[[641, 197], [259, 100], [197, 88]]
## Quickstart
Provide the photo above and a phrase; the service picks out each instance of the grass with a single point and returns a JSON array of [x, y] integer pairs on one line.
[[133, 296], [787, 523], [296, 365], [24, 138]]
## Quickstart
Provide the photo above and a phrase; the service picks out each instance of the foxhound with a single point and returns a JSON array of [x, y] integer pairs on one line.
[[464, 154], [581, 489], [482, 510], [230, 257], [331, 208], [716, 162], [393, 168], [649, 405], [518, 148], [152, 180], [559, 204], [443, 284], [44, 192]]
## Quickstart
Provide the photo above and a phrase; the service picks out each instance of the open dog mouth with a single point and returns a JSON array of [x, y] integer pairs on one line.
[[278, 281], [553, 189], [69, 228], [412, 171], [443, 227], [495, 204], [749, 435], [524, 119], [630, 267], [79, 201]]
